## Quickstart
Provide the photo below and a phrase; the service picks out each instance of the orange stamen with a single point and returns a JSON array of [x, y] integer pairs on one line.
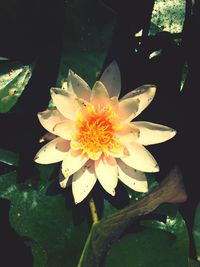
[[95, 131]]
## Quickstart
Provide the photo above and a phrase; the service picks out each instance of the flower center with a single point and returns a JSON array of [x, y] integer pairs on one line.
[[95, 131]]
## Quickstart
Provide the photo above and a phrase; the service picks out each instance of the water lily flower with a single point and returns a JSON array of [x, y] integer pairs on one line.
[[96, 137]]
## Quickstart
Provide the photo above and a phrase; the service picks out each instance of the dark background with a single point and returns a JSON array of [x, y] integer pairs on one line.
[[34, 29]]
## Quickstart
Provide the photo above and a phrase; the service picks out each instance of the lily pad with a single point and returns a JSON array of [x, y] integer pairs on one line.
[[44, 220], [166, 247]]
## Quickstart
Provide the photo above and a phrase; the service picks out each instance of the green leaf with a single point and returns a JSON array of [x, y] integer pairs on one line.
[[9, 157], [87, 36], [8, 185], [167, 15], [196, 232], [55, 240], [13, 79], [151, 246]]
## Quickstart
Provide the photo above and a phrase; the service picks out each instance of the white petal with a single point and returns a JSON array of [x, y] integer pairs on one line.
[[107, 173], [63, 181], [66, 103], [53, 151], [83, 181], [119, 153], [128, 133], [128, 109], [65, 86], [140, 158], [143, 94], [134, 179], [99, 95], [72, 162], [113, 102], [111, 78], [151, 133], [79, 86], [64, 129], [49, 118]]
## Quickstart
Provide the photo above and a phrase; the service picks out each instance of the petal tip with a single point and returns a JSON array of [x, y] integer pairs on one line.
[[53, 91], [39, 114], [144, 187], [66, 173], [152, 88], [36, 159], [63, 184], [174, 132], [70, 73], [113, 193], [114, 63], [77, 200], [156, 168]]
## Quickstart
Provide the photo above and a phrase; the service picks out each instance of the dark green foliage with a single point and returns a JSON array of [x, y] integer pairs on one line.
[[13, 79]]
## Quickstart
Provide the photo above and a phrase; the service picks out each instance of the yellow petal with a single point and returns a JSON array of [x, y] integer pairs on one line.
[[79, 86], [53, 151], [143, 95], [107, 173], [140, 158], [83, 181], [152, 133], [131, 177], [111, 78]]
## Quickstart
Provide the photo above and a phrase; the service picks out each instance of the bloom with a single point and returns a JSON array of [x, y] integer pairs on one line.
[[95, 135]]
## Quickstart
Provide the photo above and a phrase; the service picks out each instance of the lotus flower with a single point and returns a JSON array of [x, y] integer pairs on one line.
[[94, 135]]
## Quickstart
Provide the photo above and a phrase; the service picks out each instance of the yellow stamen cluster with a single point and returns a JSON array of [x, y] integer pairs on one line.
[[95, 131]]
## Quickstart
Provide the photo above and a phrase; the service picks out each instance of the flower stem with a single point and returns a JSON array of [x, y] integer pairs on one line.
[[95, 220], [93, 211]]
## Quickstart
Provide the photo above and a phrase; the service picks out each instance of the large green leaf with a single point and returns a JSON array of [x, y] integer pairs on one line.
[[155, 243], [55, 240], [13, 79], [87, 36]]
